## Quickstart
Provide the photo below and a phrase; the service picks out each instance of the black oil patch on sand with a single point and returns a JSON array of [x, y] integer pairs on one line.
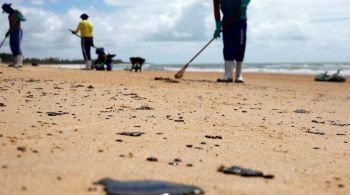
[[244, 172], [147, 187]]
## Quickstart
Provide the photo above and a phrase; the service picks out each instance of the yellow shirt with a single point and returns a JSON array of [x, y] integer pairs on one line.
[[85, 27]]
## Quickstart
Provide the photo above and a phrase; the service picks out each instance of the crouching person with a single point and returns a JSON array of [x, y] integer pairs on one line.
[[104, 61]]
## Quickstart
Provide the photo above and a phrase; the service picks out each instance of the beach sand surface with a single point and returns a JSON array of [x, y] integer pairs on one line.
[[308, 153]]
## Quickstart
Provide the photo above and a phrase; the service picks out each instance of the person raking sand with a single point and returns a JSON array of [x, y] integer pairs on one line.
[[15, 33]]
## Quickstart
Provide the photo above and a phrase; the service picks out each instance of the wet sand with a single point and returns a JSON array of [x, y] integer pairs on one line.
[[60, 131]]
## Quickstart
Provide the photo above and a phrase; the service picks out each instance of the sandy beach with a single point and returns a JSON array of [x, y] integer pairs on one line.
[[59, 131]]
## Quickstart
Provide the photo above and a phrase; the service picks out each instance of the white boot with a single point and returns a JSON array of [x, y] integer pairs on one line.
[[228, 72], [19, 61], [88, 64], [239, 77], [14, 61]]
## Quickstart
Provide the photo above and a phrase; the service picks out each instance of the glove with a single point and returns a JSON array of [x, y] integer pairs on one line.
[[218, 29], [73, 32], [7, 34], [244, 5], [243, 8], [21, 18]]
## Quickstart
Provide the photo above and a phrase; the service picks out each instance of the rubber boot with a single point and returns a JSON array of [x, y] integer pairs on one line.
[[19, 61], [88, 64], [239, 76], [228, 73], [14, 61]]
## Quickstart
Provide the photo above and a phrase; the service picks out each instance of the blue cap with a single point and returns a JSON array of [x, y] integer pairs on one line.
[[100, 50], [84, 16], [6, 7]]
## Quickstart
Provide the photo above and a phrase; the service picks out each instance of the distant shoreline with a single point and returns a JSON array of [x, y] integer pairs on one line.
[[303, 69]]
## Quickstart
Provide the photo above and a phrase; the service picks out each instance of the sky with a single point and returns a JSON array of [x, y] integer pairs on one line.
[[173, 31]]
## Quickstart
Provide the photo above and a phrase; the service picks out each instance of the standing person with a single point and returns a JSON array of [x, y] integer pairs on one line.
[[85, 27], [15, 32], [234, 35]]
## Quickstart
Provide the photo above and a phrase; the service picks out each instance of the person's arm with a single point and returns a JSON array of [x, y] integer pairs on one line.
[[217, 10], [217, 18], [78, 29]]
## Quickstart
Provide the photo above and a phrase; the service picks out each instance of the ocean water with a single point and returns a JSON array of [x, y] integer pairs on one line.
[[284, 68]]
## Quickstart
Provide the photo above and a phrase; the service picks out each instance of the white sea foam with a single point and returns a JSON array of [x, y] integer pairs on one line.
[[284, 68], [266, 68]]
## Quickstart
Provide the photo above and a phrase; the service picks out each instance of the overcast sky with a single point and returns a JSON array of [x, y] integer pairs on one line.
[[173, 31]]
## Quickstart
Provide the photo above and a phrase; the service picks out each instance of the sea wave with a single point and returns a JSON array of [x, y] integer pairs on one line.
[[282, 68]]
